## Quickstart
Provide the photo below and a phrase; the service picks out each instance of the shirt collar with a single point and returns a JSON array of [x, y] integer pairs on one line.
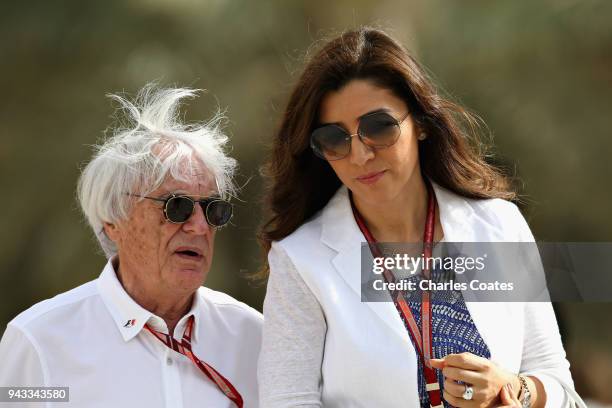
[[130, 317]]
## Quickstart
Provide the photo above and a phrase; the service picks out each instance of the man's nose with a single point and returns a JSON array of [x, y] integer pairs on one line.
[[360, 152], [197, 224]]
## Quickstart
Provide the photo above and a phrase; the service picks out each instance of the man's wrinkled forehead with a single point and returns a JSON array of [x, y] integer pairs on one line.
[[195, 182]]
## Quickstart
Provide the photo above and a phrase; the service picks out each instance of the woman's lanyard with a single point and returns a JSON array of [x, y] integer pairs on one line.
[[421, 340]]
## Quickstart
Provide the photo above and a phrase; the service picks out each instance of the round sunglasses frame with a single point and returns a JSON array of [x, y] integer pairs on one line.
[[359, 134], [207, 201]]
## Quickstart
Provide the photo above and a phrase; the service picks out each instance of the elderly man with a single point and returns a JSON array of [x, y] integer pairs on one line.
[[145, 333]]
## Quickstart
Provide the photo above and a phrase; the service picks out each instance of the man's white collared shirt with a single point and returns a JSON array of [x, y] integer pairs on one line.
[[92, 339]]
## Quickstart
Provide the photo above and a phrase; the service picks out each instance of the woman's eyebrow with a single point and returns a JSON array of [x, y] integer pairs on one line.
[[379, 110]]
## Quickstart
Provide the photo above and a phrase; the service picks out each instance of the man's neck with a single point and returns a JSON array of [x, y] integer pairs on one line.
[[171, 308]]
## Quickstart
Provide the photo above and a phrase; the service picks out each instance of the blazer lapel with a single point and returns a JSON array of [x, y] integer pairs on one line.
[[341, 233], [456, 216], [461, 224]]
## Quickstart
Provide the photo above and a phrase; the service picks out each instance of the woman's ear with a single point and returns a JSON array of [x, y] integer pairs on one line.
[[420, 128]]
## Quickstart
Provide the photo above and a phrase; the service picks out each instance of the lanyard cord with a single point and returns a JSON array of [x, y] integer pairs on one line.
[[184, 347], [422, 340]]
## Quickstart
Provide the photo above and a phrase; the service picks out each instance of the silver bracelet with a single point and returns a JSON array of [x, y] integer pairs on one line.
[[525, 394]]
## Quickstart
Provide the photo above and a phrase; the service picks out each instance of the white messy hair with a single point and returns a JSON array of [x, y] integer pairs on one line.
[[138, 157]]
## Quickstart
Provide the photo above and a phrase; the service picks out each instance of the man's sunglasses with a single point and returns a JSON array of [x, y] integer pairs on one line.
[[178, 209], [377, 130]]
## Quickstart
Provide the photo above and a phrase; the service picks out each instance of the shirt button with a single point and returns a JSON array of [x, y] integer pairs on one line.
[[169, 361]]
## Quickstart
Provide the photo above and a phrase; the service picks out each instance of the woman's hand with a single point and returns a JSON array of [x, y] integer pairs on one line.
[[486, 379], [508, 397]]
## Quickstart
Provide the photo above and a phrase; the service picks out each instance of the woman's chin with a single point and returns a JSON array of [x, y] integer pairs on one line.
[[373, 194]]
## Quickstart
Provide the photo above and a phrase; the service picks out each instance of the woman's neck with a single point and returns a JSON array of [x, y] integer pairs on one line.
[[401, 219]]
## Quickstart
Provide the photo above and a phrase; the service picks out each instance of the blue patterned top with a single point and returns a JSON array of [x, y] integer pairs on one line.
[[453, 330]]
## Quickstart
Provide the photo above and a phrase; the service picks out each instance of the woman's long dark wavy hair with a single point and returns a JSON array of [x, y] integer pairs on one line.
[[300, 184]]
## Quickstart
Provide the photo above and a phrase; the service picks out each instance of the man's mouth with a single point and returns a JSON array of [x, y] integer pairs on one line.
[[189, 253]]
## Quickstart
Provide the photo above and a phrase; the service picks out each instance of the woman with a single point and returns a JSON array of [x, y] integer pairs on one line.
[[369, 151]]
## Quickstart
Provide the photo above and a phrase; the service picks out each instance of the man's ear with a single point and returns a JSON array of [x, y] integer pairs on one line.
[[111, 231]]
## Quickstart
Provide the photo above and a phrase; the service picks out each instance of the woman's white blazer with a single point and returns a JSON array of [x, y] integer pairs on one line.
[[323, 346]]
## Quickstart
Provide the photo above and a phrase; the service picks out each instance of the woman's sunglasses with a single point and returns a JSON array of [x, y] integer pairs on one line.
[[377, 130], [178, 209]]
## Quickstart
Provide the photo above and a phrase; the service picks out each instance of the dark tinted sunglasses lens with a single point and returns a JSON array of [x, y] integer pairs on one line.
[[330, 142], [218, 213], [379, 129], [179, 209]]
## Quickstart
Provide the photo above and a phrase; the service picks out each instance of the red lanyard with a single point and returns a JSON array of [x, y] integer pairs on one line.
[[184, 347], [421, 340]]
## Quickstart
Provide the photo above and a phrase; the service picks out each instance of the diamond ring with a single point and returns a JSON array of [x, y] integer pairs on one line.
[[468, 394]]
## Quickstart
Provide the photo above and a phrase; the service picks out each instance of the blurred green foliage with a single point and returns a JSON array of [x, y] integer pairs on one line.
[[539, 73]]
